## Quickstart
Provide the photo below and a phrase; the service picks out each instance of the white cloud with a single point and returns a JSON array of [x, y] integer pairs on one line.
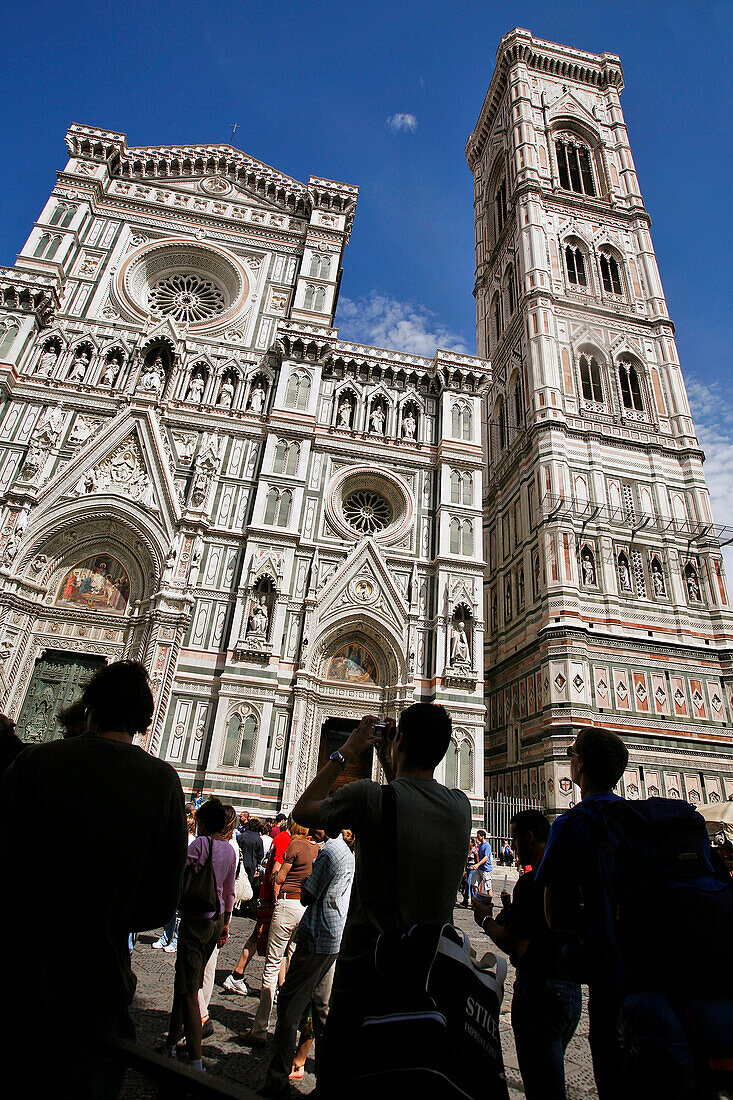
[[385, 322], [402, 123], [713, 416]]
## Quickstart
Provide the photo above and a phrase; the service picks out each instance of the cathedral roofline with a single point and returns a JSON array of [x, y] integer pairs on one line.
[[548, 58], [166, 162]]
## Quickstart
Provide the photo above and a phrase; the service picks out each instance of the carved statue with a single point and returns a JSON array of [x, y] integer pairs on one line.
[[34, 460], [49, 426], [226, 393], [624, 576], [109, 374], [520, 588], [196, 390], [460, 651], [259, 618], [693, 588], [658, 580], [152, 378], [209, 453], [589, 573], [257, 399], [409, 425], [83, 428], [47, 362], [79, 366], [170, 562], [377, 420], [344, 413]]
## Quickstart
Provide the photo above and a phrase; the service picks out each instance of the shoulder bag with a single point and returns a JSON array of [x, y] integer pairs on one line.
[[439, 1032]]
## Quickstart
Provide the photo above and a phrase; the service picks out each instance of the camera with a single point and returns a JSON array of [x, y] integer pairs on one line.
[[383, 728]]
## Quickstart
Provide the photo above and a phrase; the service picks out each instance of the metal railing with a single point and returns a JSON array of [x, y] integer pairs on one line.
[[499, 811]]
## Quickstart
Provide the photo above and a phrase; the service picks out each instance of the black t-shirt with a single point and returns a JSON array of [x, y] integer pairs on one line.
[[525, 919], [113, 866]]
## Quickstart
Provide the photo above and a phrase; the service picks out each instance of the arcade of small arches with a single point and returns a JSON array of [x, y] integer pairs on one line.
[[113, 367]]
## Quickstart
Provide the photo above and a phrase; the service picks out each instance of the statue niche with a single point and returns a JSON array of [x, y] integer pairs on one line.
[[259, 616], [460, 638]]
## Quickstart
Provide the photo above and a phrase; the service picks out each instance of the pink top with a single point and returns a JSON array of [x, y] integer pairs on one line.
[[225, 869]]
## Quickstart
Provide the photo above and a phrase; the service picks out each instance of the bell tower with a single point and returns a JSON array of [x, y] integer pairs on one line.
[[606, 599]]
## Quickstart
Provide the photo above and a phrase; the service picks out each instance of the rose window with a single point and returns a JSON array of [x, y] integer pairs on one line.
[[367, 511], [186, 297]]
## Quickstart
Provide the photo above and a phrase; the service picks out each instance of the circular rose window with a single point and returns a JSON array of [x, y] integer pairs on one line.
[[196, 285], [186, 296], [363, 502], [367, 511]]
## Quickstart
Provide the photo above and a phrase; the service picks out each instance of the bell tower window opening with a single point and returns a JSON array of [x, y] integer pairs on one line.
[[575, 264], [630, 387], [610, 276], [574, 167], [590, 379], [500, 206]]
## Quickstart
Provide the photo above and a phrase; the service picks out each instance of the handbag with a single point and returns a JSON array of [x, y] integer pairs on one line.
[[200, 894], [242, 886], [439, 1032]]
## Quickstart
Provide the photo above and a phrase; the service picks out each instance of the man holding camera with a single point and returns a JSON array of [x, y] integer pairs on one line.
[[430, 840]]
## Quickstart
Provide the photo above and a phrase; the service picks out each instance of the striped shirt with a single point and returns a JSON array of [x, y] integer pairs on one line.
[[329, 884]]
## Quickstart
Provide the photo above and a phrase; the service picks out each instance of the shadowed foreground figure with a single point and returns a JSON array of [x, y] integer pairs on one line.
[[115, 867]]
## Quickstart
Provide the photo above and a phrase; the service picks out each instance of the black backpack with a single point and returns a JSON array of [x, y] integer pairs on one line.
[[672, 908]]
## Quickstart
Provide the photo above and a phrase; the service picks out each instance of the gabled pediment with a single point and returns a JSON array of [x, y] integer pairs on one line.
[[127, 459], [363, 583], [570, 106]]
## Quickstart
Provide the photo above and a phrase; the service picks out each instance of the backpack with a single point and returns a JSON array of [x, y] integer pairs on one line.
[[672, 909]]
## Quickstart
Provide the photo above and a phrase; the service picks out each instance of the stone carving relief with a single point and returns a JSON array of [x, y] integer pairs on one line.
[[121, 472], [207, 463], [45, 437]]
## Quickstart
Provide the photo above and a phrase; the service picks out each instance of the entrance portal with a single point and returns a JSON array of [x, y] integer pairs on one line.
[[334, 733], [58, 679]]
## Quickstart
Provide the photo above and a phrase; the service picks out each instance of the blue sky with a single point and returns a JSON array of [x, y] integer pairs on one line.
[[312, 87]]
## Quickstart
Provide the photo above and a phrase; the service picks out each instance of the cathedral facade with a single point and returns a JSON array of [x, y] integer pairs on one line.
[[606, 599], [196, 472], [291, 530]]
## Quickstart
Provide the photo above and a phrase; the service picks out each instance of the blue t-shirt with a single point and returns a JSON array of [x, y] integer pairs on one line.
[[484, 849]]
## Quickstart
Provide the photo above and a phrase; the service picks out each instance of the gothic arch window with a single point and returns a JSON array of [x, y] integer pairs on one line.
[[510, 296], [517, 393], [590, 378], [455, 536], [298, 392], [281, 456], [239, 742], [467, 482], [315, 297], [455, 487], [320, 266], [63, 215], [496, 317], [467, 538], [630, 383], [460, 421], [610, 274], [283, 511], [451, 766], [575, 265], [574, 165], [508, 600], [500, 206], [465, 766], [8, 332], [292, 459], [500, 423], [47, 247], [273, 498]]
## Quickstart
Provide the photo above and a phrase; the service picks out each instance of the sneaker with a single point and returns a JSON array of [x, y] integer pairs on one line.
[[171, 947], [160, 944], [237, 985]]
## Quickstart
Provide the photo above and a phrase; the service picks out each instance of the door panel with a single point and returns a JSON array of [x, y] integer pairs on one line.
[[58, 679]]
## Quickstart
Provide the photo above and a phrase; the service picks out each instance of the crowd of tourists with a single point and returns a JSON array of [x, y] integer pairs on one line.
[[349, 893]]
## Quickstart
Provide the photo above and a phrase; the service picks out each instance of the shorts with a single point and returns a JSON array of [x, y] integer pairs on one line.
[[197, 939]]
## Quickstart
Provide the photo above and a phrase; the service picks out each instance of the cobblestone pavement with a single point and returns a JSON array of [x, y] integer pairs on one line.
[[232, 1013]]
